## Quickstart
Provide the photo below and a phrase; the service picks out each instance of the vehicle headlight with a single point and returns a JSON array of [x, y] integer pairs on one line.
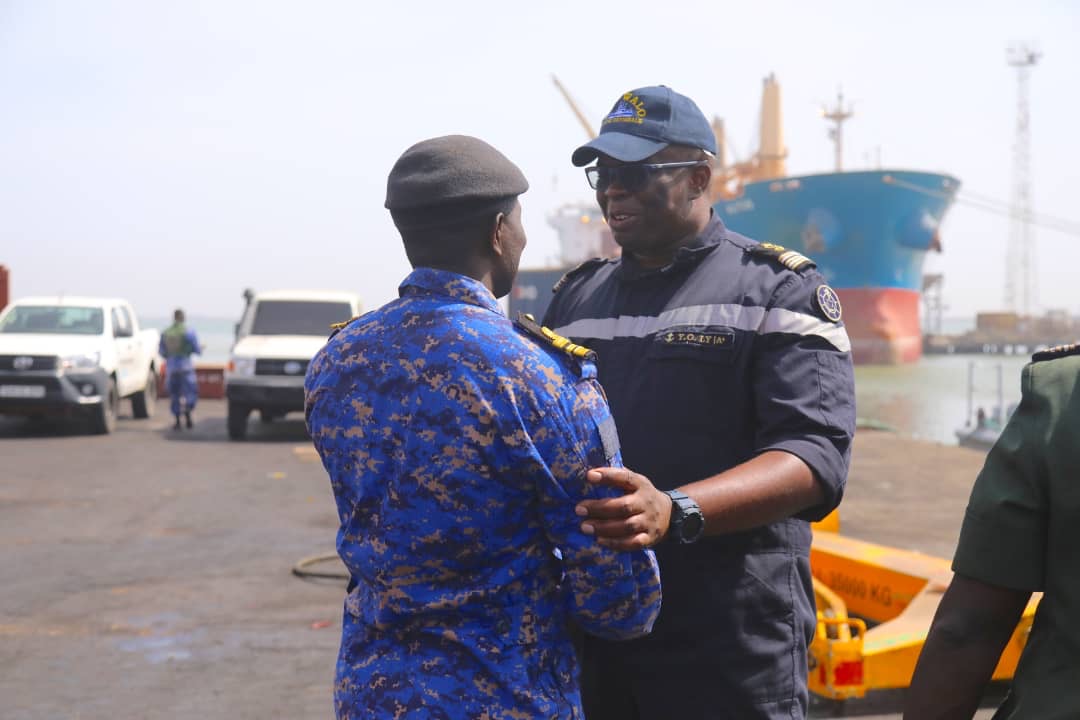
[[87, 361], [241, 365]]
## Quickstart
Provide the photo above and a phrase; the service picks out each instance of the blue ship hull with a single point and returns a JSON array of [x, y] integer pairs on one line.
[[868, 232], [863, 229]]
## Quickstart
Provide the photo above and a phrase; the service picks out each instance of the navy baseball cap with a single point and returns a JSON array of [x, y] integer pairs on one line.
[[644, 122]]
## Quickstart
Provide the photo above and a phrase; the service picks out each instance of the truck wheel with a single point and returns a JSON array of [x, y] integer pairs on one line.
[[144, 402], [237, 420], [103, 419]]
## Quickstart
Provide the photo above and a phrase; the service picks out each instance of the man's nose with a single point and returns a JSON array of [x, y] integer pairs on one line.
[[614, 188]]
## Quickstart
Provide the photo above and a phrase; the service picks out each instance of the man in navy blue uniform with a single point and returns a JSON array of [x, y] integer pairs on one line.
[[457, 446], [730, 378]]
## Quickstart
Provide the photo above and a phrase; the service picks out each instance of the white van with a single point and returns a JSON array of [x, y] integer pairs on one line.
[[276, 338]]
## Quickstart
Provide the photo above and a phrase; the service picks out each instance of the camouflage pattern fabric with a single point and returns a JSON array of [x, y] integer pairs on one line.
[[457, 448]]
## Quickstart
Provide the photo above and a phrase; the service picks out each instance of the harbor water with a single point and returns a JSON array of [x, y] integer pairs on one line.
[[927, 400]]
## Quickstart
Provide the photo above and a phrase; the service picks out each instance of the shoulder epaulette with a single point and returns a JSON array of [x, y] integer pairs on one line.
[[1057, 351], [549, 337], [788, 258], [590, 263], [337, 327]]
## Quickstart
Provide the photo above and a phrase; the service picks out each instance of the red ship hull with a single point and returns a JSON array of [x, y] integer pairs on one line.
[[883, 324]]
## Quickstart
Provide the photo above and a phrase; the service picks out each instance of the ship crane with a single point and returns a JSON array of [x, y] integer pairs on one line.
[[574, 108]]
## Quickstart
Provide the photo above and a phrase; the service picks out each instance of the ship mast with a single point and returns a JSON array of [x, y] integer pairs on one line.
[[838, 115]]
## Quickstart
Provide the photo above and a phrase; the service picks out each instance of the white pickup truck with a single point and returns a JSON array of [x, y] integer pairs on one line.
[[76, 356], [276, 338]]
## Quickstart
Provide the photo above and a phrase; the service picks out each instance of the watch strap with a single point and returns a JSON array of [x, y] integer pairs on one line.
[[683, 508]]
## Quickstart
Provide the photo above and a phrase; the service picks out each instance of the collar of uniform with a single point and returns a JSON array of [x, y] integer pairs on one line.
[[686, 256], [443, 282]]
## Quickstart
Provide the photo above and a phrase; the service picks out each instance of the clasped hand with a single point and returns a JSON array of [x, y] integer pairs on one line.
[[637, 519]]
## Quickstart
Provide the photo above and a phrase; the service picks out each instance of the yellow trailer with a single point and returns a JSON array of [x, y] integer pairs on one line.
[[891, 596]]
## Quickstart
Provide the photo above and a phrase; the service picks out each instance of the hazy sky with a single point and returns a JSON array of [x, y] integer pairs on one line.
[[175, 153]]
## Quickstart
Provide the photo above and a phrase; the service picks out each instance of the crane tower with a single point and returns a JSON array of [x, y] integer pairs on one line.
[[1020, 254]]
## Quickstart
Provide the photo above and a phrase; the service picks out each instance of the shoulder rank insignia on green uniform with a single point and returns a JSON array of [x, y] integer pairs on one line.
[[1056, 352], [592, 262], [788, 258], [528, 323]]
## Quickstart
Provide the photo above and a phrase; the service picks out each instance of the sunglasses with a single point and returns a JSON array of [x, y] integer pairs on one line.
[[632, 178]]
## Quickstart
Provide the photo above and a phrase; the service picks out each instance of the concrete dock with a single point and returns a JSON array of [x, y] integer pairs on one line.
[[146, 574]]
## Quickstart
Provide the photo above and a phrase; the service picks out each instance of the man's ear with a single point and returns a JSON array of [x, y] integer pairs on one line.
[[700, 179], [498, 227]]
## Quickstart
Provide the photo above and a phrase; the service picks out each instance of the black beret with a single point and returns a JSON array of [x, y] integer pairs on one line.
[[451, 170]]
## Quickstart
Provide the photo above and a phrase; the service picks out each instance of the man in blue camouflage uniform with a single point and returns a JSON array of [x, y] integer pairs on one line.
[[730, 378], [178, 343], [457, 446]]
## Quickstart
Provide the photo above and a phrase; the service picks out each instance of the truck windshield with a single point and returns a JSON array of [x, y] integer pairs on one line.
[[54, 320], [296, 317]]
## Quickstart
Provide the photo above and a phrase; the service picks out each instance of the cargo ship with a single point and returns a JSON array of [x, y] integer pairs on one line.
[[868, 231]]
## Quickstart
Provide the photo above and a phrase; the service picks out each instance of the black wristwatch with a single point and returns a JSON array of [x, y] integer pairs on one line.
[[687, 522]]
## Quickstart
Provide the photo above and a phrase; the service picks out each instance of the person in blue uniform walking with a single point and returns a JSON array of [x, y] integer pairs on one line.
[[178, 343], [730, 378], [457, 445]]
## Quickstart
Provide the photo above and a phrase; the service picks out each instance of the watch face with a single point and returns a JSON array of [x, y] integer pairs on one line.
[[692, 525]]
